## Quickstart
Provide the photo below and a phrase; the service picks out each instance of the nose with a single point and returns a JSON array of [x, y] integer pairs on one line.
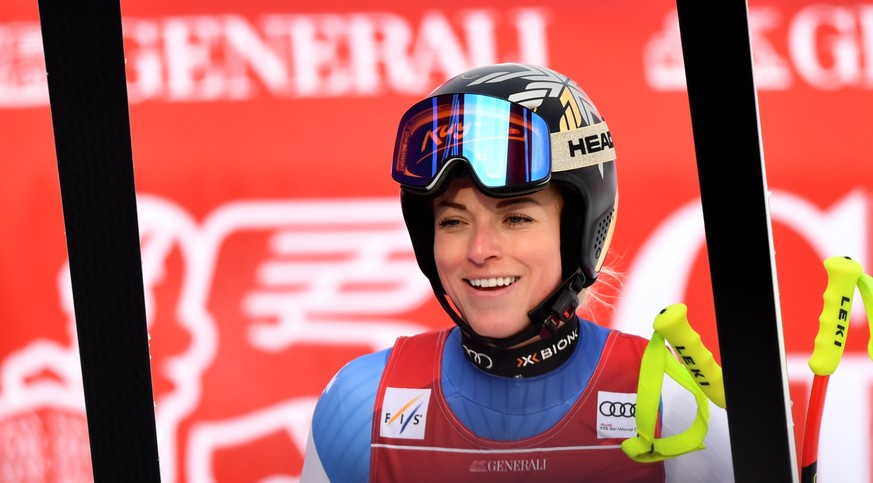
[[484, 244]]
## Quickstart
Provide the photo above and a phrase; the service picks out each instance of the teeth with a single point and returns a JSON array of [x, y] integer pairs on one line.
[[493, 282]]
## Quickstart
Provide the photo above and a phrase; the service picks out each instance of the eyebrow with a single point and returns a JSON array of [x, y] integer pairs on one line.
[[500, 204], [451, 204], [516, 201]]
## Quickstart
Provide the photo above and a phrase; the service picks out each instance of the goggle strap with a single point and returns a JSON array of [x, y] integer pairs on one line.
[[583, 147]]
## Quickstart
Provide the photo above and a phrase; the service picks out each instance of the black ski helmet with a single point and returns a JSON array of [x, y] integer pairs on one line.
[[581, 162]]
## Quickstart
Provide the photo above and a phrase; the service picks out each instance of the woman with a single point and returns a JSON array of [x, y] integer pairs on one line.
[[508, 190]]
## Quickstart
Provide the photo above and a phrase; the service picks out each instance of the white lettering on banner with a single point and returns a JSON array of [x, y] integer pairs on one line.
[[230, 57], [829, 47], [841, 228], [841, 28]]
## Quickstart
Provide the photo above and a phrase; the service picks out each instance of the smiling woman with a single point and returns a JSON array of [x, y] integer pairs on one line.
[[508, 191], [497, 258]]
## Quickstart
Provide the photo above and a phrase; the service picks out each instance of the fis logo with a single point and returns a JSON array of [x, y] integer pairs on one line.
[[404, 413]]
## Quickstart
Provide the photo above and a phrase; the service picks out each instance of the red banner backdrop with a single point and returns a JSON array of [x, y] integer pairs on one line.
[[273, 247]]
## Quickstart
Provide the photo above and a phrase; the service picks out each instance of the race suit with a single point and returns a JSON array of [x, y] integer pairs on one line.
[[473, 426]]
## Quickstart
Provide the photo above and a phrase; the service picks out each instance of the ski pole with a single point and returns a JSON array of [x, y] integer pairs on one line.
[[865, 287], [672, 323], [843, 275]]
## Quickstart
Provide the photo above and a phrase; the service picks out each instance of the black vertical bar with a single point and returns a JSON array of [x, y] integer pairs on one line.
[[733, 187], [84, 57]]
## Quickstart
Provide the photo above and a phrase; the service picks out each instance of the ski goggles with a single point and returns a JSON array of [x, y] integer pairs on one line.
[[507, 146]]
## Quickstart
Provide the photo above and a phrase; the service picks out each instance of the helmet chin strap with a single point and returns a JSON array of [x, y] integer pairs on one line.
[[558, 307]]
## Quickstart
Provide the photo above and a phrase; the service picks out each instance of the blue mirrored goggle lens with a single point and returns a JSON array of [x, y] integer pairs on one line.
[[505, 144]]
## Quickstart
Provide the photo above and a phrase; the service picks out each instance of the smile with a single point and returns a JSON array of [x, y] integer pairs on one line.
[[492, 282]]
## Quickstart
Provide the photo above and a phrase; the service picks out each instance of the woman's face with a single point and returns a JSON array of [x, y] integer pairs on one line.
[[497, 258]]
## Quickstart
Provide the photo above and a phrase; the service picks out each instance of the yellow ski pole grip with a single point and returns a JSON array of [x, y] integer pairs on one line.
[[865, 287], [672, 323], [843, 274]]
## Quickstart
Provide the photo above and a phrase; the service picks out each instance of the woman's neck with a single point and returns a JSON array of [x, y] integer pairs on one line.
[[538, 357]]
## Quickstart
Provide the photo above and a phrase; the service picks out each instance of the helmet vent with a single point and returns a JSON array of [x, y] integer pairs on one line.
[[602, 232]]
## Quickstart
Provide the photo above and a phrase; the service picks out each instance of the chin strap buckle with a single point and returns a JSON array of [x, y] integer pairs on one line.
[[561, 307], [550, 326]]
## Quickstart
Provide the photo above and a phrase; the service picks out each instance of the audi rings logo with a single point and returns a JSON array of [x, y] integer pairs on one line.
[[618, 409], [479, 358]]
